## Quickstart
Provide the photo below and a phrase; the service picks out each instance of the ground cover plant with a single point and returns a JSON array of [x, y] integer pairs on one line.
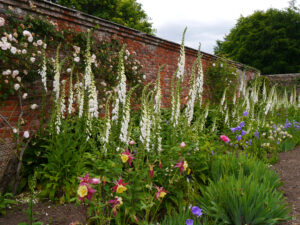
[[197, 163]]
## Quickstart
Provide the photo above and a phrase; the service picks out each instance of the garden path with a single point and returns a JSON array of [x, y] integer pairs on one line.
[[288, 167]]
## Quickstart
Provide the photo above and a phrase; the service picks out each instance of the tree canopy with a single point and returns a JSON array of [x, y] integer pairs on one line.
[[125, 12], [269, 41]]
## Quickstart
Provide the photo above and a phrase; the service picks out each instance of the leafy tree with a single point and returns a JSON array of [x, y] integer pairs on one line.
[[269, 41], [125, 12]]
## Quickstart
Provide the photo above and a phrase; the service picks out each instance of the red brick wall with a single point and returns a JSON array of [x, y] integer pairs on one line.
[[152, 52]]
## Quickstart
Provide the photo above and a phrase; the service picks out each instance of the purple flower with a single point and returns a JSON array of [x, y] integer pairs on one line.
[[189, 222], [196, 211], [287, 124], [278, 142], [212, 152], [239, 137], [244, 132], [242, 124], [233, 129], [256, 134], [245, 113], [238, 128], [250, 142]]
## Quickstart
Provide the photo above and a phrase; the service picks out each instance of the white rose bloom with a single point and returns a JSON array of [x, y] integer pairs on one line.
[[39, 52], [45, 46], [10, 37], [34, 44], [144, 77], [24, 51], [4, 73], [4, 39], [26, 33], [19, 51], [13, 50], [39, 42], [69, 70], [32, 59], [8, 72], [2, 21], [30, 39], [33, 106], [77, 59], [15, 73], [25, 72], [15, 130], [19, 79], [24, 95], [26, 134], [16, 86]]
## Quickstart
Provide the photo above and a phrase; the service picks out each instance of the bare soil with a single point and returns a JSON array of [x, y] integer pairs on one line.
[[48, 213], [288, 167]]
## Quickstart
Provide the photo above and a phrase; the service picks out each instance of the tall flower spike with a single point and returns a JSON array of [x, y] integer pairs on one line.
[[71, 94], [189, 112], [145, 122], [88, 66], [107, 124], [121, 87], [181, 61], [200, 76], [126, 118], [43, 71], [56, 81]]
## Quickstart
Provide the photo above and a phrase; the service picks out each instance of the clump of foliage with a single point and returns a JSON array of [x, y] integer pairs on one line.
[[128, 13], [266, 40], [243, 191]]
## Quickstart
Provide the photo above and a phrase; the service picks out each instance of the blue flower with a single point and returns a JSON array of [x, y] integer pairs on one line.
[[242, 124], [250, 142], [244, 132], [196, 211], [245, 113], [189, 222]]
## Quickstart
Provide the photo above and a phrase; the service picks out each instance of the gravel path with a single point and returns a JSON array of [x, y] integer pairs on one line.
[[288, 167]]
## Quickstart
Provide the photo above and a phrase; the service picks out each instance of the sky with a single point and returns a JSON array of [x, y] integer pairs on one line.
[[206, 20]]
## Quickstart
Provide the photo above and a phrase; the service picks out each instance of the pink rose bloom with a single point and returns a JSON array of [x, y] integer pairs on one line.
[[131, 142], [224, 138], [182, 145]]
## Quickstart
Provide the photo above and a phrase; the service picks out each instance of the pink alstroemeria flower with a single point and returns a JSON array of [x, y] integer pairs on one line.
[[116, 203], [182, 165], [161, 193], [224, 138], [84, 189], [151, 171], [119, 186], [88, 180], [88, 195], [127, 156]]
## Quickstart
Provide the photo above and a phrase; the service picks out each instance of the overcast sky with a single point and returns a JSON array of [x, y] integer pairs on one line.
[[206, 20]]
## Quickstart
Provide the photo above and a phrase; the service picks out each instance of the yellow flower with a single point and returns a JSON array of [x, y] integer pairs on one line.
[[189, 171], [120, 200], [121, 188], [124, 158], [162, 194], [185, 165], [82, 191]]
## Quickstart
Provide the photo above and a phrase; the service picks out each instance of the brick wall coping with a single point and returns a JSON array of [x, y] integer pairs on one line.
[[285, 75], [56, 11]]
